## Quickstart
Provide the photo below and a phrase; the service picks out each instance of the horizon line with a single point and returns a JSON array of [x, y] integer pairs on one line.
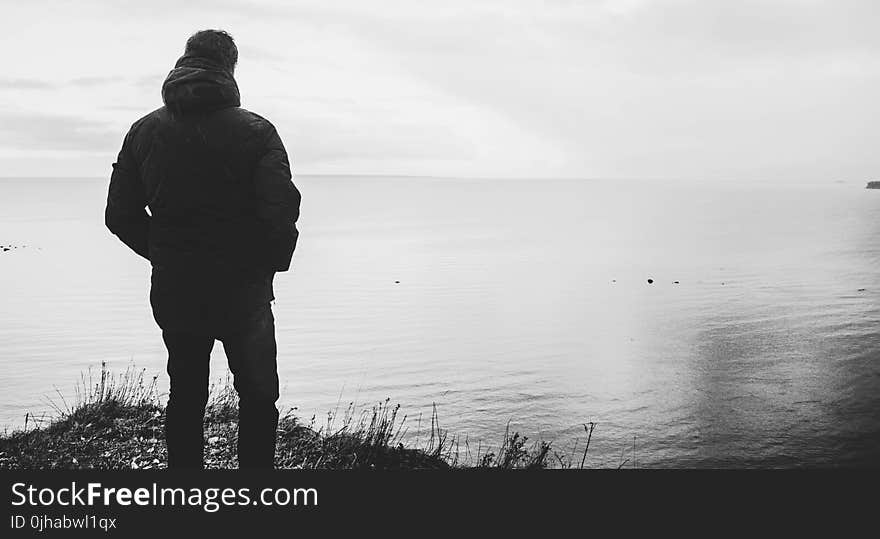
[[518, 178]]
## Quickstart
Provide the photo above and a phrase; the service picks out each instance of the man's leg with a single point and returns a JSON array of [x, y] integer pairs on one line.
[[188, 366], [252, 360]]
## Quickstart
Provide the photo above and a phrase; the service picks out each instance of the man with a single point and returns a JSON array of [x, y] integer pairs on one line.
[[221, 222]]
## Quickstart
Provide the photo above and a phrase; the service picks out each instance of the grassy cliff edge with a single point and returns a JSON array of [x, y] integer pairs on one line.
[[117, 422]]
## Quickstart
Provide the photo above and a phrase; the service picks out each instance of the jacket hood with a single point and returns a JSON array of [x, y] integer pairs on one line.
[[198, 84]]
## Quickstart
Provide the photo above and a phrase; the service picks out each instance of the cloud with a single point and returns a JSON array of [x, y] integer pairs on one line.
[[25, 84], [149, 82], [674, 88], [329, 139], [42, 84], [47, 132], [614, 88], [260, 54], [94, 81]]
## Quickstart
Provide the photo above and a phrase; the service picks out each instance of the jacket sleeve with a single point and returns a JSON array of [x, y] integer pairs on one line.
[[278, 202], [126, 215]]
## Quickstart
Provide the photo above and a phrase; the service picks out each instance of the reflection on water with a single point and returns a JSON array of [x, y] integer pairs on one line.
[[513, 301]]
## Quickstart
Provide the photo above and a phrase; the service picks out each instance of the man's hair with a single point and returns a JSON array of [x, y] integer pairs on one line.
[[216, 45]]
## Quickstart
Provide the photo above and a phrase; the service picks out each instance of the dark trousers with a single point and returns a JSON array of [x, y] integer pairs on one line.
[[251, 352]]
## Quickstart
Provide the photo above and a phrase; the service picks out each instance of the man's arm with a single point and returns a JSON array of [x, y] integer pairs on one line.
[[278, 202], [126, 215]]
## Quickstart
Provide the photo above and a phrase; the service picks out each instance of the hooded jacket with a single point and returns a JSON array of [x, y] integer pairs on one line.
[[217, 182]]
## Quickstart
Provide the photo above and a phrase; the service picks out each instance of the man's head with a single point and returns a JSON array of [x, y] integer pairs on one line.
[[215, 45]]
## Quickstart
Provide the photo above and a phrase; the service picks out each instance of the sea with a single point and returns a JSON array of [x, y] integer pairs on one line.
[[693, 324]]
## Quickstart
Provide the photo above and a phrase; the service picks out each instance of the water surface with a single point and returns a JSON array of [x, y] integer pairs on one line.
[[519, 301]]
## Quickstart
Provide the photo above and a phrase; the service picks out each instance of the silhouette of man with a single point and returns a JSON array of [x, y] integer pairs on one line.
[[221, 221]]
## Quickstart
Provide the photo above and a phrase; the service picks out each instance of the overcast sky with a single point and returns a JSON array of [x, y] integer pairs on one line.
[[703, 89]]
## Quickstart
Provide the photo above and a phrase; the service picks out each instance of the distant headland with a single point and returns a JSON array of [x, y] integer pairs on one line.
[[873, 185]]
